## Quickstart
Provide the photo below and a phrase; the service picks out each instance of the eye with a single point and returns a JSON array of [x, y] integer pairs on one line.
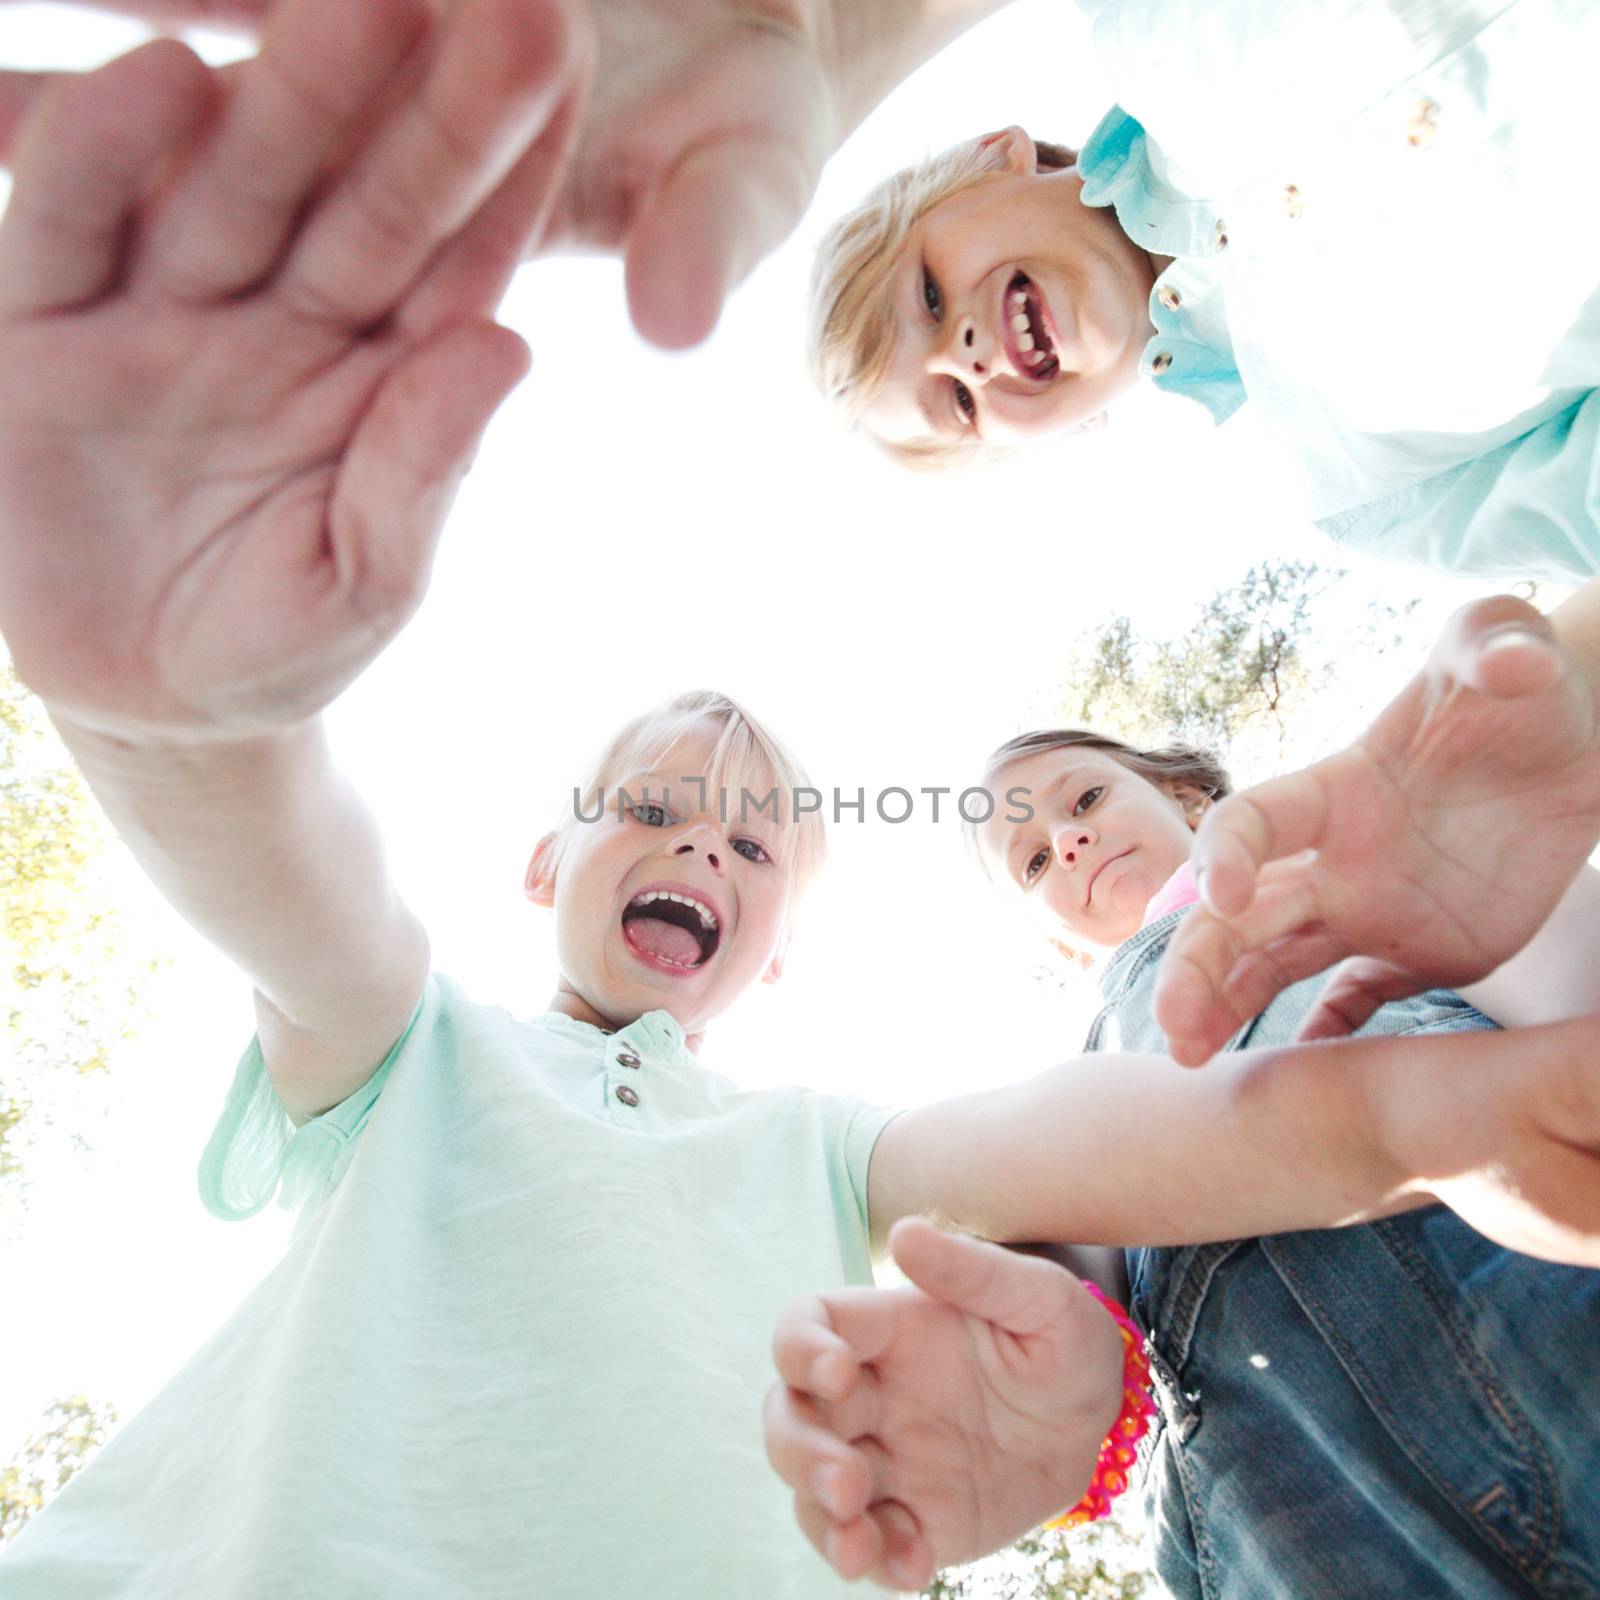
[[1036, 864], [651, 813], [965, 404], [931, 297], [756, 852], [1087, 799]]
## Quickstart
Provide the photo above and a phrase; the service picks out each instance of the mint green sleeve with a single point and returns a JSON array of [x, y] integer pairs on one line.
[[856, 1133], [1529, 509], [256, 1151]]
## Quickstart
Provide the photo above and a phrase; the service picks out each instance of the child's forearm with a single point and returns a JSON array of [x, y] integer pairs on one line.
[[1134, 1150], [1556, 975], [263, 846]]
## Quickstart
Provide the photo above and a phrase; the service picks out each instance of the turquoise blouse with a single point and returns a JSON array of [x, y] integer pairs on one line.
[[1514, 501]]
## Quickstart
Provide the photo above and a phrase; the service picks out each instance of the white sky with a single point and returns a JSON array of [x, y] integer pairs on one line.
[[638, 524]]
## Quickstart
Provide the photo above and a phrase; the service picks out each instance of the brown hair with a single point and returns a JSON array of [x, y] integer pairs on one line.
[[1171, 763], [1175, 763]]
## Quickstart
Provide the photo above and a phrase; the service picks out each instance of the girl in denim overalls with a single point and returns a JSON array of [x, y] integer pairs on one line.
[[1401, 1408]]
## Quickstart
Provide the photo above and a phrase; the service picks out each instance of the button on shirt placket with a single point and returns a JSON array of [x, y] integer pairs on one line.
[[625, 1092]]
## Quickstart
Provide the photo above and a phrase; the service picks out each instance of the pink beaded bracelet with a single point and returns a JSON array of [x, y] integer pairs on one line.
[[1118, 1453]]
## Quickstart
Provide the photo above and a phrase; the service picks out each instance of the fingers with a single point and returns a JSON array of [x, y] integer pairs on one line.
[[716, 214], [471, 274], [503, 68], [407, 458], [319, 73], [82, 161], [241, 15], [1218, 973], [885, 1544], [1354, 992], [1279, 818], [808, 1452], [18, 93], [1500, 646], [1020, 1294]]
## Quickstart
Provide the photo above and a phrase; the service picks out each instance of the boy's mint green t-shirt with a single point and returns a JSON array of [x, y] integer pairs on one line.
[[518, 1345]]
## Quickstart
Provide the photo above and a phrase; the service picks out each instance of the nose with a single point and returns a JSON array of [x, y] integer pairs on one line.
[[965, 352], [705, 842], [1070, 840]]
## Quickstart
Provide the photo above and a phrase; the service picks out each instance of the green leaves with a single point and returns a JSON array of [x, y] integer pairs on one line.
[[72, 984], [73, 1430]]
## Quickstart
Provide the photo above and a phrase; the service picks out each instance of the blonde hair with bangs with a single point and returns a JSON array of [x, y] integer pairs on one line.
[[852, 321], [745, 756]]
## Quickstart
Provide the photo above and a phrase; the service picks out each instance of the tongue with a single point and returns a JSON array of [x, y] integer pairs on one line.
[[664, 939]]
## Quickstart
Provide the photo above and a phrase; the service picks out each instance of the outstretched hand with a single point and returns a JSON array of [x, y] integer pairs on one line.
[[924, 1426], [1430, 851], [247, 349], [702, 144]]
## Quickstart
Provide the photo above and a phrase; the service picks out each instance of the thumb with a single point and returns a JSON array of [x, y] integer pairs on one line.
[[409, 454], [1501, 646], [1019, 1294], [722, 208]]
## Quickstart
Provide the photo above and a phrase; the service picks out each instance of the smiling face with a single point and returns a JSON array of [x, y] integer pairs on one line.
[[1021, 311], [660, 904], [1100, 844]]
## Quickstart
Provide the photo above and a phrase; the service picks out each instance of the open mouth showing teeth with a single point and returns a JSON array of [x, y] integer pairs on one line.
[[1029, 337], [676, 929]]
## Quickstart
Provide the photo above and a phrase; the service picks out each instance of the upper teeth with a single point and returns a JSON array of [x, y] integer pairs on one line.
[[708, 918]]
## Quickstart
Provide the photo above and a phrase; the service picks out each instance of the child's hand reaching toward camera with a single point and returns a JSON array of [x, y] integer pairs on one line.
[[1443, 840], [930, 1425], [247, 349]]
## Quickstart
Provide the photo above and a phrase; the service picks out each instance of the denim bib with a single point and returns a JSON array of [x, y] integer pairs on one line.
[[1386, 1412]]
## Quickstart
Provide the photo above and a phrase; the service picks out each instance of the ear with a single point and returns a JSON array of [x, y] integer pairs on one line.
[[1194, 800], [539, 883], [1011, 150]]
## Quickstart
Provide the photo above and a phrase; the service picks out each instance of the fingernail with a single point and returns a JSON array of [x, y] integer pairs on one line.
[[903, 1573], [1509, 639]]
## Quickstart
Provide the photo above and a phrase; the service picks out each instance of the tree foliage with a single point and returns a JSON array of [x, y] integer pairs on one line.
[[73, 1430], [1107, 1560], [1237, 679], [72, 986]]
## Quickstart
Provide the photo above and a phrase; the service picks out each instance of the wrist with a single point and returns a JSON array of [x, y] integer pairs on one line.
[[1125, 1425], [1400, 1113], [867, 47], [141, 778]]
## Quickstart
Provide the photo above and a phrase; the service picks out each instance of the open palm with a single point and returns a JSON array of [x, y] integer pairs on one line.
[[246, 348], [1442, 841]]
